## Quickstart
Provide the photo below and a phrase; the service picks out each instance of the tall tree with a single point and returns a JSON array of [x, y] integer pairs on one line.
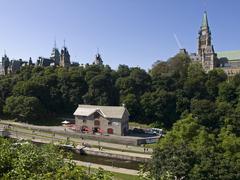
[[23, 107]]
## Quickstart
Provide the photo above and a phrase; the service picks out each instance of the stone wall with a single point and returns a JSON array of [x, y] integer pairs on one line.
[[117, 125], [231, 71]]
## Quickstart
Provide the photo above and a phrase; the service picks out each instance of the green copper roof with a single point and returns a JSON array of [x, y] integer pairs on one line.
[[205, 20], [230, 55]]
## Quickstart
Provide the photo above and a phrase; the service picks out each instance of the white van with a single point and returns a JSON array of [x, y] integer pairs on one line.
[[157, 131]]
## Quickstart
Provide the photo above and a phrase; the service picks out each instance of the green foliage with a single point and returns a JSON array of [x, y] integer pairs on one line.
[[26, 108], [102, 175], [123, 71], [204, 111], [194, 86], [227, 92], [133, 105], [215, 77], [24, 160], [170, 75], [190, 151], [101, 90], [159, 106], [69, 89]]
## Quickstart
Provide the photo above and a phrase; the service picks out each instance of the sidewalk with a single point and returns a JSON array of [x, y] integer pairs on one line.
[[108, 168], [147, 156]]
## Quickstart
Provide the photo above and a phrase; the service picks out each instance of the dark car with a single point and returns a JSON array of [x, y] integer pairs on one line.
[[138, 131]]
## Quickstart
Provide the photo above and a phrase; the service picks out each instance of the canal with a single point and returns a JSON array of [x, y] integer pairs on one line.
[[106, 161], [98, 159], [101, 160]]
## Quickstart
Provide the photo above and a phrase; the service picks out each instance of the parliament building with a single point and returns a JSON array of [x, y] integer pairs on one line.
[[229, 61], [57, 58]]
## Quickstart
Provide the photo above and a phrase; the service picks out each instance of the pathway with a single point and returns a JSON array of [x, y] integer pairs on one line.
[[108, 168]]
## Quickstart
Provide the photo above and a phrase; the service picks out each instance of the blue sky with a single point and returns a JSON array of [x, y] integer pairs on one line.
[[131, 32]]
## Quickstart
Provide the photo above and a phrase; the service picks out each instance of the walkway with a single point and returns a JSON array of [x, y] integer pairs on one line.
[[108, 168]]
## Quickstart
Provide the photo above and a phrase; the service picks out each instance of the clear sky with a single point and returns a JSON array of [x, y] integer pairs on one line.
[[131, 32]]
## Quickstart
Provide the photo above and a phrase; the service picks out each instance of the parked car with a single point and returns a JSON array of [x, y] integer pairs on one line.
[[157, 131], [138, 131]]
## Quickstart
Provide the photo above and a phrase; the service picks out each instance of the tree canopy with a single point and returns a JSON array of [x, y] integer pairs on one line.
[[170, 90], [190, 151], [24, 160]]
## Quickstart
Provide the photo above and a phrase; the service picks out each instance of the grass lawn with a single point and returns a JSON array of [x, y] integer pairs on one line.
[[120, 176], [151, 145], [117, 176], [138, 125]]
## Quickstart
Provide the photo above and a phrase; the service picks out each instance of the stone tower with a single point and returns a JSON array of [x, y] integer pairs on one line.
[[55, 55], [65, 57], [205, 48], [98, 60], [5, 64]]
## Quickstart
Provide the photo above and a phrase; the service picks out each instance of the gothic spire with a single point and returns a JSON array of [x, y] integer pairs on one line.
[[55, 43], [205, 20]]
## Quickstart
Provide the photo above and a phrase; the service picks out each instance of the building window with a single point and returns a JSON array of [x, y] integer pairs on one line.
[[96, 123], [115, 123], [109, 123], [110, 131]]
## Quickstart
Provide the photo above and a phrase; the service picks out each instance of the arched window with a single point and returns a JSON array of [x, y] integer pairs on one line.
[[96, 123]]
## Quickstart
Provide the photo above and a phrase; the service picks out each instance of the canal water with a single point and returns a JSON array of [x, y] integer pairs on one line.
[[101, 160], [106, 161]]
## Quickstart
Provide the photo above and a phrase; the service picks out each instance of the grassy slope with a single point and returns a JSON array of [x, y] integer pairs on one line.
[[120, 176]]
